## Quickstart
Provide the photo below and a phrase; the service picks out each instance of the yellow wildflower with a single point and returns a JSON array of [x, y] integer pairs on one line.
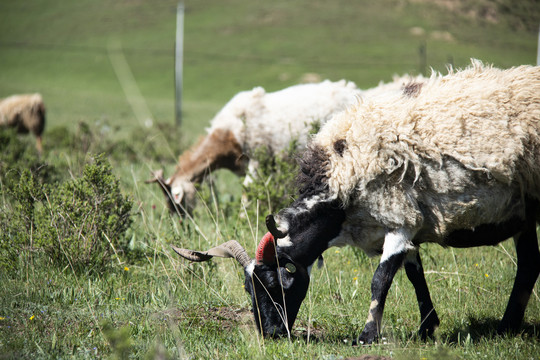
[[126, 268], [32, 317], [486, 275], [2, 318]]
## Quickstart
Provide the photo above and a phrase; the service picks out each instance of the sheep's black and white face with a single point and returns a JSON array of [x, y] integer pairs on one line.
[[278, 279], [300, 235], [277, 291]]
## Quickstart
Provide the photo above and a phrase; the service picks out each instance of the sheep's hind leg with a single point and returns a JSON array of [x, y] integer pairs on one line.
[[528, 268], [415, 273]]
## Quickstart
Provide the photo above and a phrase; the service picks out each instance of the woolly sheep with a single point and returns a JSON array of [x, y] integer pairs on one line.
[[252, 119], [25, 112], [453, 161]]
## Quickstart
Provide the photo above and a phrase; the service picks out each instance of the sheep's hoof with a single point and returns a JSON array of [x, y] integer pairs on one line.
[[506, 328], [428, 326], [367, 337]]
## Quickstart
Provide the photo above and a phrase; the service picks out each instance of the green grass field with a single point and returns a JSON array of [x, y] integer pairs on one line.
[[148, 303]]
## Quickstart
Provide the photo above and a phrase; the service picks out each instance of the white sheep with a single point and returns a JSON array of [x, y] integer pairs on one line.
[[252, 119], [26, 113]]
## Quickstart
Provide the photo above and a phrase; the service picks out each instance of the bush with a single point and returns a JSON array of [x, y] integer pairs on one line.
[[275, 183], [79, 223], [83, 222], [18, 153], [22, 178], [17, 219]]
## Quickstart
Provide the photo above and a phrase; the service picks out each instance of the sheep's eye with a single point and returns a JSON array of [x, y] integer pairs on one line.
[[290, 268]]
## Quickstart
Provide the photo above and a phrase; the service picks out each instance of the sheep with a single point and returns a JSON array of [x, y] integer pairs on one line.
[[25, 112], [252, 119], [453, 161]]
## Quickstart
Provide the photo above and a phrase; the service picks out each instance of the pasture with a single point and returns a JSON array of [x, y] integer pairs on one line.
[[132, 297]]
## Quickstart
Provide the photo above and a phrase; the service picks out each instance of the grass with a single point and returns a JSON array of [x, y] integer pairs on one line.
[[150, 304]]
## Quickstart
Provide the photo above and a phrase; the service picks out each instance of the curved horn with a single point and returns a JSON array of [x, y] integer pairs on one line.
[[229, 249], [157, 176], [271, 226]]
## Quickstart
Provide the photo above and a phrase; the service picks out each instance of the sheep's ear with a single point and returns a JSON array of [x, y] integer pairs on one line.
[[271, 226]]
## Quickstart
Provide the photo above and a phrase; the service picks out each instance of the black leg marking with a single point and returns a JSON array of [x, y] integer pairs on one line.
[[528, 268], [429, 320], [380, 284]]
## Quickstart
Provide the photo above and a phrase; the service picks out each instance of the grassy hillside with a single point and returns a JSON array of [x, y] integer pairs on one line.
[[61, 49], [144, 302]]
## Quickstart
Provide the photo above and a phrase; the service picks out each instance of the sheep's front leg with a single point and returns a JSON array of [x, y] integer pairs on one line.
[[394, 252], [415, 273]]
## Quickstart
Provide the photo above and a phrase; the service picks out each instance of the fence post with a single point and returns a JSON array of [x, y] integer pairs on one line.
[[178, 62]]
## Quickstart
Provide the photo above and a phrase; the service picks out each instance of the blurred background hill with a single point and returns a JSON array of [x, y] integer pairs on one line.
[[63, 49]]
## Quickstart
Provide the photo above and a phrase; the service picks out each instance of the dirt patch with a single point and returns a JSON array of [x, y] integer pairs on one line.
[[225, 317], [228, 318], [311, 333]]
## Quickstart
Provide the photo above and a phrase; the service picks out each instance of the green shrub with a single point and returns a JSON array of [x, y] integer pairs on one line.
[[79, 223], [18, 153], [274, 184], [83, 221], [17, 219], [22, 178]]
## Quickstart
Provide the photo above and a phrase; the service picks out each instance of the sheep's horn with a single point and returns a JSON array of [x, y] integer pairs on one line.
[[229, 249], [271, 226], [157, 176]]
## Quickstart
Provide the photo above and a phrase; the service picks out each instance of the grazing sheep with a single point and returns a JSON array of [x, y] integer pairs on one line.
[[26, 113], [252, 119], [454, 161]]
